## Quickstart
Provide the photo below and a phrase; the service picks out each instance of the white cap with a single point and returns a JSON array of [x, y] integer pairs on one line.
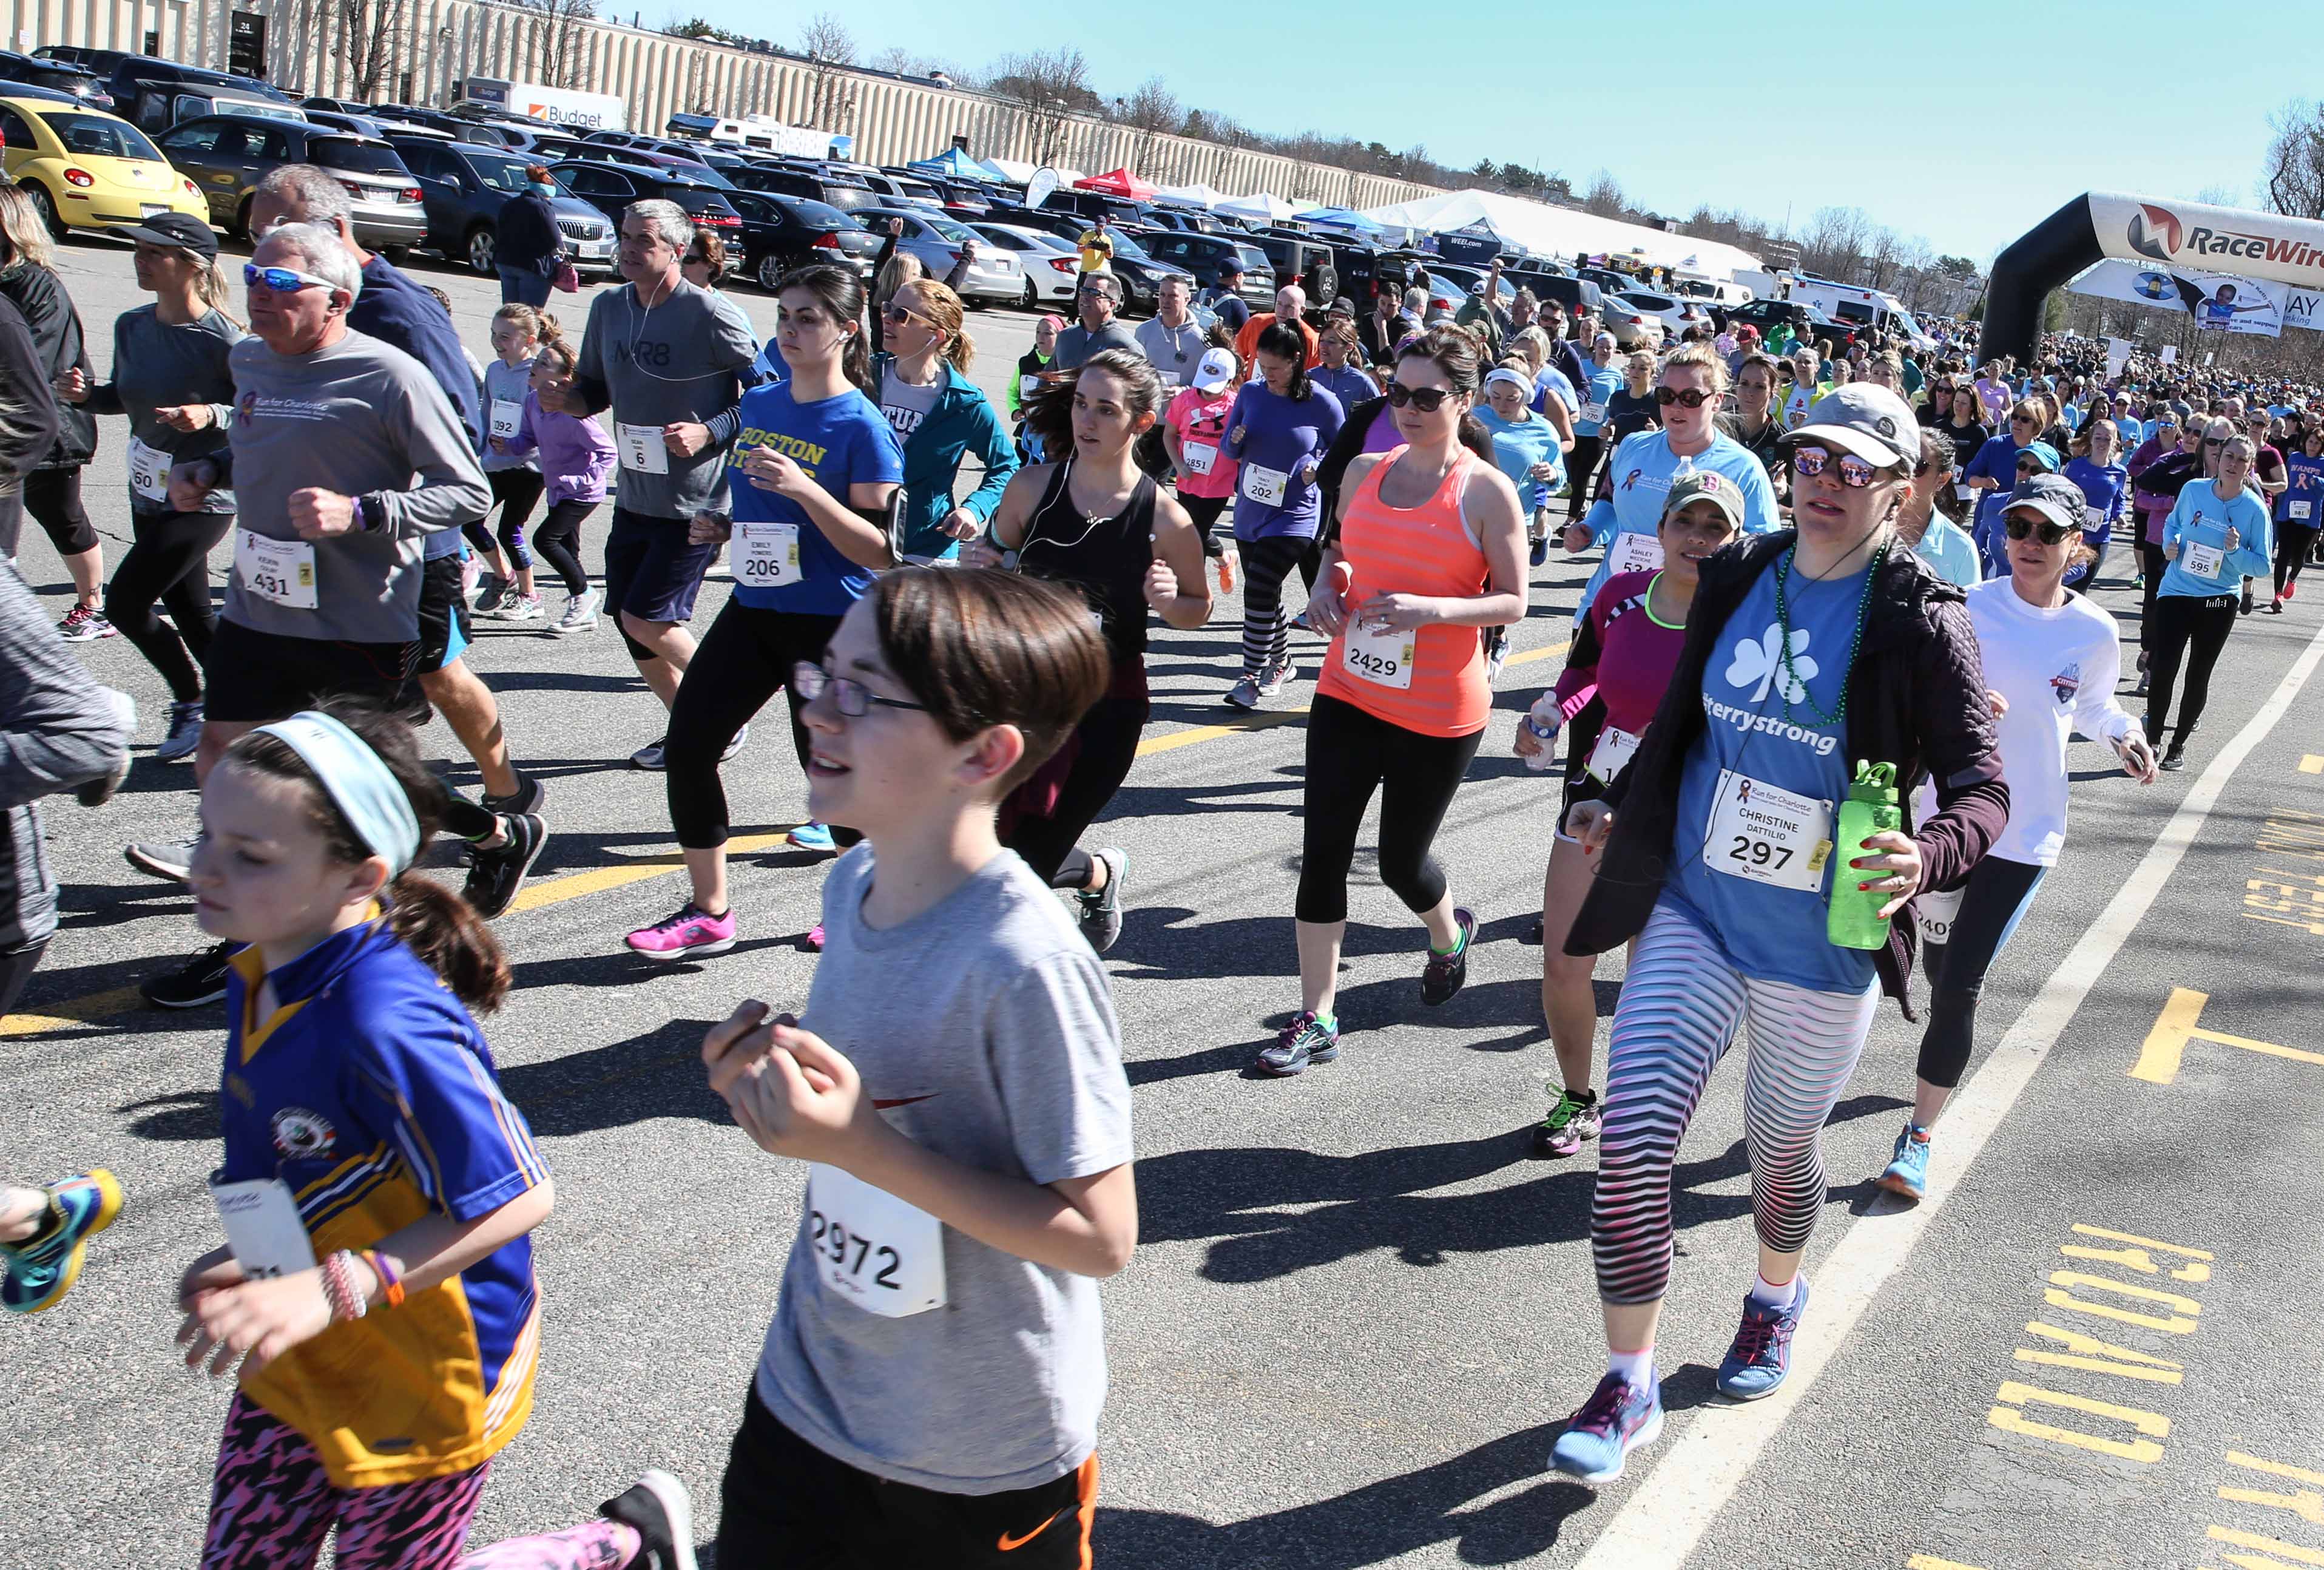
[[1215, 370]]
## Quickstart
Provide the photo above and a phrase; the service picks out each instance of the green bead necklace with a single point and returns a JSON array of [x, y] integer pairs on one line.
[[1783, 630]]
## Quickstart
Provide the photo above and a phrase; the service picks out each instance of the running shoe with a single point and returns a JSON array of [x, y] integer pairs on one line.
[[495, 872], [1272, 680], [1244, 694], [812, 835], [170, 860], [185, 733], [496, 591], [691, 932], [2276, 607], [1761, 1355], [2246, 609], [734, 748], [658, 1509], [520, 607], [1497, 652], [1908, 1168], [1299, 622], [84, 623], [648, 756], [199, 981], [2140, 690], [2174, 760], [2291, 589], [1101, 911], [40, 1269], [1540, 550], [579, 614], [1305, 1041], [1618, 1418], [815, 939], [1571, 1124], [1443, 974], [528, 797], [1229, 562]]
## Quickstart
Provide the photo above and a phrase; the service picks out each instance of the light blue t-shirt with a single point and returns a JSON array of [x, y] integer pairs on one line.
[[1604, 383], [1517, 447], [1549, 379], [1771, 933], [1639, 473], [2202, 518], [1947, 547]]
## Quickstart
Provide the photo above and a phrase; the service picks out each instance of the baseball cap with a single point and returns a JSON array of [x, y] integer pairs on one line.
[[2055, 497], [1230, 268], [1707, 485], [179, 231], [2042, 453], [1214, 371], [1866, 419]]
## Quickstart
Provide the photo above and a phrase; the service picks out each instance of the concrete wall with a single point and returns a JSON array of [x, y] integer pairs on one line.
[[444, 41]]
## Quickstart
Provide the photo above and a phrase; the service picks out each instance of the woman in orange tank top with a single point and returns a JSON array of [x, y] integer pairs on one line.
[[1430, 551]]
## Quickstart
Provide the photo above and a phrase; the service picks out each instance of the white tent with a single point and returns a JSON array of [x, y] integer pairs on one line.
[[1265, 206], [1019, 173], [1563, 232], [1201, 195]]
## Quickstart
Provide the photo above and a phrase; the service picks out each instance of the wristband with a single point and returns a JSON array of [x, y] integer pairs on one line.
[[391, 1285], [339, 1289]]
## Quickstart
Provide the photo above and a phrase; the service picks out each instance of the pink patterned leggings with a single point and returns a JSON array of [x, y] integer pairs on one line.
[[272, 1504]]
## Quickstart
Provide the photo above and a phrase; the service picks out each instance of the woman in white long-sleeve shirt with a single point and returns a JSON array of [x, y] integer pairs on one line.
[[2050, 660]]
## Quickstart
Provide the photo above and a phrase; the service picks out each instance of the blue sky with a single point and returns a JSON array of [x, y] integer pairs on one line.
[[1789, 109]]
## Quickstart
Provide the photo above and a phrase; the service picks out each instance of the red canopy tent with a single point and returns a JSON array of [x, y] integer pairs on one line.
[[1119, 183]]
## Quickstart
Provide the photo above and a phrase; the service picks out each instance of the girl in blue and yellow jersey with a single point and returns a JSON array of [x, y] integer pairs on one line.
[[377, 1189]]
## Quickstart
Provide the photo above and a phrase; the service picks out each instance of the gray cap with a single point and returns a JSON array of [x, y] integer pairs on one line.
[[2055, 497], [1706, 485], [1866, 419]]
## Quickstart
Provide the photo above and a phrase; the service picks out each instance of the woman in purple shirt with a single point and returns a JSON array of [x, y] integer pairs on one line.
[[1277, 432]]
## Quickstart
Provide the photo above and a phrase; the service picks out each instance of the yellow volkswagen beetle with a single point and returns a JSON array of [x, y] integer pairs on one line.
[[87, 170]]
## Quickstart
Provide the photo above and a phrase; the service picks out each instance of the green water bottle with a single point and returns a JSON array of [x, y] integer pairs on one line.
[[1854, 920]]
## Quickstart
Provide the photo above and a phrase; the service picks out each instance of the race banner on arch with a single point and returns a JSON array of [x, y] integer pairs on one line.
[[2218, 301]]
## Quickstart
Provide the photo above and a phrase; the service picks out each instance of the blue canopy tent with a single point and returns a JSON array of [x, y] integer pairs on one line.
[[953, 163], [1342, 218]]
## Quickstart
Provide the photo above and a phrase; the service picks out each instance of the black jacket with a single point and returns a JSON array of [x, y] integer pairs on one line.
[[1917, 699], [28, 408], [39, 294], [528, 239]]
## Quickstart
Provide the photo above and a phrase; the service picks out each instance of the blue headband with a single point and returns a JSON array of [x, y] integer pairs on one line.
[[360, 786]]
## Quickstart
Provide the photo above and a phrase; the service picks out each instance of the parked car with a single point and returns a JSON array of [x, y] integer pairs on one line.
[[994, 276], [78, 80], [1470, 280], [1632, 326], [336, 106], [451, 125], [1141, 273], [542, 146], [1052, 266], [836, 235], [1569, 293], [780, 233], [100, 60], [610, 188], [1807, 323], [463, 185], [1201, 255], [1665, 308], [359, 125], [147, 92], [227, 155], [847, 195], [895, 190], [87, 170], [687, 168], [1611, 281]]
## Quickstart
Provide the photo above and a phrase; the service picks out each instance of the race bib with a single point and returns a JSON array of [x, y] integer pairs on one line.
[[1633, 553], [1767, 836], [1201, 457], [642, 448], [1615, 748], [505, 416], [766, 555], [263, 1227], [1966, 493], [871, 1248], [1169, 379], [1593, 413], [148, 471], [2302, 509], [1379, 655], [1264, 485], [1933, 914], [1026, 386], [280, 570], [2202, 560]]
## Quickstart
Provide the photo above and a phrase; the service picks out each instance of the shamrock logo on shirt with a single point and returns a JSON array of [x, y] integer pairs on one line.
[[1761, 659]]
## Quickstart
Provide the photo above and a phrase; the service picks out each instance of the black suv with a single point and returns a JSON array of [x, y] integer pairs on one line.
[[1808, 324], [465, 184], [144, 88], [79, 81], [612, 187], [848, 196], [1201, 255]]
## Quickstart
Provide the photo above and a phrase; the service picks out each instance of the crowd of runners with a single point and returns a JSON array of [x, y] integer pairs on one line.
[[1811, 730]]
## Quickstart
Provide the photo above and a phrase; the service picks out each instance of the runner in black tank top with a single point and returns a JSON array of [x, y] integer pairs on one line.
[[1126, 545]]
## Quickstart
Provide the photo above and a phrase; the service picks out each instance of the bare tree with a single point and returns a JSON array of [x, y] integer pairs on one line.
[[1836, 241], [1048, 86], [371, 44], [1152, 112], [2295, 160], [1604, 196], [829, 48], [562, 29]]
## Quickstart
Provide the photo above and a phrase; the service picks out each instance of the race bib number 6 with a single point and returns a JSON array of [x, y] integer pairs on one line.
[[883, 1255]]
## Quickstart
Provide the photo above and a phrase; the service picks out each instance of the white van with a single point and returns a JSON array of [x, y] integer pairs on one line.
[[1861, 307]]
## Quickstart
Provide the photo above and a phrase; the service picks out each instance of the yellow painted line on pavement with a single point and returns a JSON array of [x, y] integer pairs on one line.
[[2313, 764], [72, 1011]]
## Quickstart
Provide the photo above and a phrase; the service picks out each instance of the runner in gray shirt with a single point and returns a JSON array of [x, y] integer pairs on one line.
[[1099, 299]]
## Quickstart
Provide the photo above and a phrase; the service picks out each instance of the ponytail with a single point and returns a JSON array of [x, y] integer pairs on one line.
[[446, 932], [212, 290], [943, 308], [1286, 342]]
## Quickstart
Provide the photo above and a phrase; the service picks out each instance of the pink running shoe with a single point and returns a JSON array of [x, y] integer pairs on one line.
[[689, 933], [814, 937]]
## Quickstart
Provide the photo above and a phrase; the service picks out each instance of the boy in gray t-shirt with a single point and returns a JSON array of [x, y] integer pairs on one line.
[[931, 1384]]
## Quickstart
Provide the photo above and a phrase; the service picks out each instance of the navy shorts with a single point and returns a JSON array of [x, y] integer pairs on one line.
[[443, 612], [253, 678], [651, 572]]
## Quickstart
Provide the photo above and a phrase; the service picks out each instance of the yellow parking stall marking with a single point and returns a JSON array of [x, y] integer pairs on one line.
[[597, 880], [1931, 1562], [2166, 1044], [2274, 1468], [2292, 1551], [2313, 764]]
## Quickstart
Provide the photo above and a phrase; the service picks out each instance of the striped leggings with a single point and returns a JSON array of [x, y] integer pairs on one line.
[[1266, 629], [1680, 1004], [272, 1504]]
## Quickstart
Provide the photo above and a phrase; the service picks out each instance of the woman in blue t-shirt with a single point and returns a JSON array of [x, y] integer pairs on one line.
[[2217, 536], [814, 470], [1277, 432], [2298, 512], [2106, 485]]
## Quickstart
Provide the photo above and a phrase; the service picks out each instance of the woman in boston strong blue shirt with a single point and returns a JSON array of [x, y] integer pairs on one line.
[[814, 469], [2217, 536]]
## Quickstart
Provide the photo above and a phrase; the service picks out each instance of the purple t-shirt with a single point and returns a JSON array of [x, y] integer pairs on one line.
[[1279, 439]]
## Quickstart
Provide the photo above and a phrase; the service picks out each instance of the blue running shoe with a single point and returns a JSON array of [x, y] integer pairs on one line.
[[1762, 1354], [1618, 1418], [1305, 1041], [1908, 1168], [812, 835], [39, 1270]]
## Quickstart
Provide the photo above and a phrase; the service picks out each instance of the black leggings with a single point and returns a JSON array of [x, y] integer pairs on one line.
[[744, 660], [168, 563], [516, 491], [2293, 543], [2193, 629], [558, 541], [1266, 629], [1994, 900], [53, 496], [1107, 740], [1350, 753], [16, 967], [2152, 567], [1205, 511], [1580, 465]]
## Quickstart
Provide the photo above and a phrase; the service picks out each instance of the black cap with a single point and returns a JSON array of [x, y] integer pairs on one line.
[[180, 230]]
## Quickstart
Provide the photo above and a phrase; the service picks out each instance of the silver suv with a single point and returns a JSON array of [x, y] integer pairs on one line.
[[227, 155]]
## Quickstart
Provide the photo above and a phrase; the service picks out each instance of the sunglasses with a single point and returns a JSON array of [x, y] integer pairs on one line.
[[1811, 461], [2049, 533], [281, 280], [1692, 397], [851, 698], [897, 316], [2215, 441], [1427, 399]]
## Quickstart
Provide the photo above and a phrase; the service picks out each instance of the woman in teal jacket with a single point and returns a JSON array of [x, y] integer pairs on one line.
[[2218, 535], [941, 417]]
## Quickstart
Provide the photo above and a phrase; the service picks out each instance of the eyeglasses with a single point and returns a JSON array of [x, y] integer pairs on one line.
[[897, 316], [1427, 399], [1692, 397], [851, 698], [281, 280], [1811, 461], [2020, 526], [2215, 441]]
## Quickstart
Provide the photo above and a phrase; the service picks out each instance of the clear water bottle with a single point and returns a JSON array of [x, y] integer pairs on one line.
[[1541, 723]]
